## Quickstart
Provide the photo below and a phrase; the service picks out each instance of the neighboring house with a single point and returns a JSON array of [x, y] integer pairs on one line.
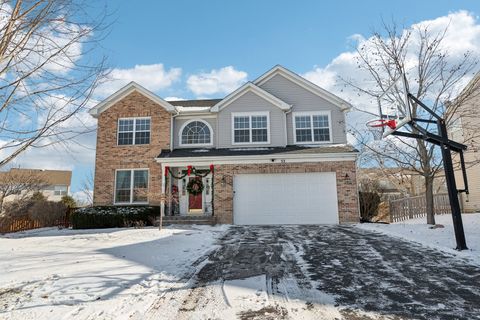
[[274, 151], [464, 129], [398, 182], [56, 183]]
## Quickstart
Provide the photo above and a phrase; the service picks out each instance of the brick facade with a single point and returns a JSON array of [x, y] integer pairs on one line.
[[110, 156], [347, 194]]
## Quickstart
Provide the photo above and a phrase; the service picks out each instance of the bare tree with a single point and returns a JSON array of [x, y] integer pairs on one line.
[[21, 183], [87, 189], [49, 68], [433, 76]]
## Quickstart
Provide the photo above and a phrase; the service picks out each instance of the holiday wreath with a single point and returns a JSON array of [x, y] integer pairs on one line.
[[195, 186]]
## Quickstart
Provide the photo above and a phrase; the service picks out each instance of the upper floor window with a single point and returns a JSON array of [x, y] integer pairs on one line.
[[133, 131], [250, 127], [312, 127], [196, 132], [131, 186]]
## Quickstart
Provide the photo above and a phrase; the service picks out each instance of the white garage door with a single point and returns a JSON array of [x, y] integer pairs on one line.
[[293, 198]]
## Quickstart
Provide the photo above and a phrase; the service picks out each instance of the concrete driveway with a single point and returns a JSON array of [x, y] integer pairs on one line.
[[324, 272]]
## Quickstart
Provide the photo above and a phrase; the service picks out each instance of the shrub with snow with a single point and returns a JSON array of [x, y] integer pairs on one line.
[[114, 217]]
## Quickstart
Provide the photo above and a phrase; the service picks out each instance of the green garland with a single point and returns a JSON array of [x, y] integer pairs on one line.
[[177, 177], [195, 186], [198, 174]]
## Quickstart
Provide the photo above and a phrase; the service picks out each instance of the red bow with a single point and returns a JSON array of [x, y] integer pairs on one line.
[[166, 171], [189, 170]]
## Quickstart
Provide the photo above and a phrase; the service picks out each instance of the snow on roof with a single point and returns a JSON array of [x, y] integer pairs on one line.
[[182, 109]]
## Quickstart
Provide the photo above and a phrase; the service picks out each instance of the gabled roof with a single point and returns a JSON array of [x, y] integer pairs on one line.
[[125, 91], [52, 177], [304, 83], [250, 87]]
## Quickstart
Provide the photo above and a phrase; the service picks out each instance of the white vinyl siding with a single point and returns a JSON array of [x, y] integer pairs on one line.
[[250, 128], [250, 103], [133, 131], [312, 127], [303, 100], [131, 186]]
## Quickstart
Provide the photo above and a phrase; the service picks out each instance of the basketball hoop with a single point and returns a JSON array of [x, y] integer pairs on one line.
[[376, 127]]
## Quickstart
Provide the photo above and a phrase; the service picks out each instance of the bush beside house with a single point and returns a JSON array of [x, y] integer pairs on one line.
[[114, 217]]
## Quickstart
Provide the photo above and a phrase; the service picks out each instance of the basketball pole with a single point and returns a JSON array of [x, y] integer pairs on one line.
[[441, 139], [452, 187]]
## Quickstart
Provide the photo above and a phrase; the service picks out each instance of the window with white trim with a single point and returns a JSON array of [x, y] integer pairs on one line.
[[133, 131], [131, 186], [312, 128], [250, 128], [60, 190], [196, 133]]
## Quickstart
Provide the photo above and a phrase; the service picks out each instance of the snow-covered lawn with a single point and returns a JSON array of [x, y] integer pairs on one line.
[[440, 238], [96, 274]]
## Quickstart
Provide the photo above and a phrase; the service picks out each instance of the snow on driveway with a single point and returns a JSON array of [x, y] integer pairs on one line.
[[323, 272], [439, 238], [95, 274], [236, 272]]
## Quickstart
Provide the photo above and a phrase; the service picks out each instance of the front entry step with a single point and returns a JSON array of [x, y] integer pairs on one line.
[[204, 220]]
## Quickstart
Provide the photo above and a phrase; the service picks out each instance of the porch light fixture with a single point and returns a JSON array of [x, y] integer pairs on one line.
[[224, 181]]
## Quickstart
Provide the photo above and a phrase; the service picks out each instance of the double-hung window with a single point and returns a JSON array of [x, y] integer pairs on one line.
[[312, 127], [131, 186], [133, 131], [251, 128]]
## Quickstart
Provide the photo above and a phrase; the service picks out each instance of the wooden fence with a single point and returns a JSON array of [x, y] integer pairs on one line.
[[416, 207], [25, 223]]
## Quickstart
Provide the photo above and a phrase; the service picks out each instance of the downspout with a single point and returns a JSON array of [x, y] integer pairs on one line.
[[171, 128], [286, 126], [162, 201]]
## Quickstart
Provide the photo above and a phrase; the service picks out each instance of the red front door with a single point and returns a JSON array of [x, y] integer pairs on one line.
[[194, 201]]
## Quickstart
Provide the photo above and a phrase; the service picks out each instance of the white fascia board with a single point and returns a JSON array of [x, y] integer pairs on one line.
[[125, 91], [250, 87], [258, 159], [304, 83]]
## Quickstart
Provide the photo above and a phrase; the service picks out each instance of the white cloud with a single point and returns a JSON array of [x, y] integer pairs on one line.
[[217, 81], [154, 77], [173, 99], [463, 35], [83, 197]]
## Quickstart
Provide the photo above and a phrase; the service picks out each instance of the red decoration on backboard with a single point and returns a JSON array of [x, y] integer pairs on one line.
[[392, 123]]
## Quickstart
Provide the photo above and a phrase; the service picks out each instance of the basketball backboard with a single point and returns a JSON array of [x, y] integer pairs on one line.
[[394, 106]]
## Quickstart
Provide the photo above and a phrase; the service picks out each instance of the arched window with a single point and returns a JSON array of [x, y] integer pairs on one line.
[[196, 132]]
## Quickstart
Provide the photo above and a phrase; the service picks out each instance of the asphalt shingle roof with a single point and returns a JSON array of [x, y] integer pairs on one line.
[[226, 152]]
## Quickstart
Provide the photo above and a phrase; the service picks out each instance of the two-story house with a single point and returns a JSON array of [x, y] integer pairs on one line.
[[464, 129], [274, 151]]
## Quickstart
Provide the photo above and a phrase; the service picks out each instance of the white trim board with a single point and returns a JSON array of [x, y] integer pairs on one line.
[[304, 83], [125, 91], [250, 87]]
